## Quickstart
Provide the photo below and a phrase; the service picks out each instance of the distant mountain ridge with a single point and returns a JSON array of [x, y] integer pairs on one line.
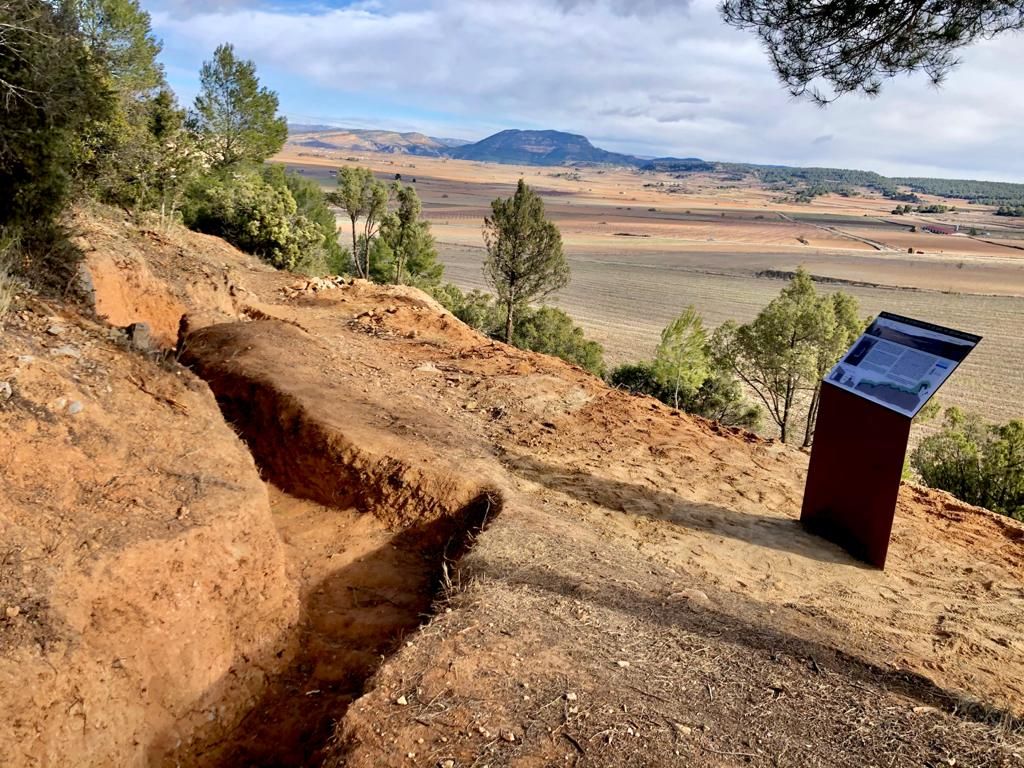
[[539, 148], [514, 146], [558, 148], [368, 140]]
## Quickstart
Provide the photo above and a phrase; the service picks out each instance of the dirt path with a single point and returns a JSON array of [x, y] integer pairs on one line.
[[363, 589]]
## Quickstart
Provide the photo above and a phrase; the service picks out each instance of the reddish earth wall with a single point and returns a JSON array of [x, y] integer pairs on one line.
[[143, 592]]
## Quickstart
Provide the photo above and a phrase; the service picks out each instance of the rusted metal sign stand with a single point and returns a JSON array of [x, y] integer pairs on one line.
[[854, 476], [867, 403]]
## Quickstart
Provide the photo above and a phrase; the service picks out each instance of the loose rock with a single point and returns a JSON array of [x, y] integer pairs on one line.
[[139, 337], [696, 597]]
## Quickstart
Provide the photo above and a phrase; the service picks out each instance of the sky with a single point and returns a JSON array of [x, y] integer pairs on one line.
[[648, 77]]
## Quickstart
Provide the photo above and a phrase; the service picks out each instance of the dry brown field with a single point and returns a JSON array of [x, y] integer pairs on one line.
[[640, 254]]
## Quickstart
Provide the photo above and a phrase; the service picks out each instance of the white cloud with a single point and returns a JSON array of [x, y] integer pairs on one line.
[[651, 77]]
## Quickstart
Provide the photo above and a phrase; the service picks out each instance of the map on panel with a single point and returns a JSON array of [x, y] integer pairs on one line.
[[900, 363]]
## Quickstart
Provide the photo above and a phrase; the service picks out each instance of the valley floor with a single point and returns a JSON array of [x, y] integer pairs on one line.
[[640, 254]]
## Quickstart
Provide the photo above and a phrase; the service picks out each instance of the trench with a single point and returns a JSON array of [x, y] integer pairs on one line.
[[371, 542]]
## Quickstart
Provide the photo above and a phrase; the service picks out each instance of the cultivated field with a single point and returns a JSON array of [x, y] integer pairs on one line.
[[643, 246]]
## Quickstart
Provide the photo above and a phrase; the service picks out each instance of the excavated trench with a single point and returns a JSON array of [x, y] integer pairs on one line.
[[371, 538]]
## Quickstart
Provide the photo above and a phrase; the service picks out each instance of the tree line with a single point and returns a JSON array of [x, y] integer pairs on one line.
[[86, 112], [978, 462], [904, 210]]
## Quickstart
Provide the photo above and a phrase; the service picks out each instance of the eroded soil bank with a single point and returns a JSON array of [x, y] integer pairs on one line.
[[646, 596], [143, 590], [371, 530]]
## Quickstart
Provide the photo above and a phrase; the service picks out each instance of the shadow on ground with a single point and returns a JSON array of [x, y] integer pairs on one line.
[[783, 534], [350, 622], [756, 628]]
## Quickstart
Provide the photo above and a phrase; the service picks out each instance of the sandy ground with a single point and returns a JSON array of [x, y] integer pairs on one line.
[[640, 594]]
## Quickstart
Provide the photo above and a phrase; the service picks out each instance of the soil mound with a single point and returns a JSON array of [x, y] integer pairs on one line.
[[143, 595], [646, 597]]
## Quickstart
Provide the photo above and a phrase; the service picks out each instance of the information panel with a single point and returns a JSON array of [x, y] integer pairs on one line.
[[900, 363]]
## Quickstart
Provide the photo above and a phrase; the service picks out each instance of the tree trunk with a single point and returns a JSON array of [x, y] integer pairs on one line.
[[509, 319], [812, 417], [355, 253]]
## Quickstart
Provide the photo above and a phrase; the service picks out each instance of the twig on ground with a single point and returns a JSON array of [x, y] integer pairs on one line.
[[575, 743], [169, 401]]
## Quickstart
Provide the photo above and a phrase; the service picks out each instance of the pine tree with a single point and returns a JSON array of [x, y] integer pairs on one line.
[[234, 118], [681, 362], [524, 253]]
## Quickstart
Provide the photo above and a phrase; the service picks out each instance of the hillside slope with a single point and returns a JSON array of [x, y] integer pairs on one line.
[[538, 148], [356, 140], [640, 592]]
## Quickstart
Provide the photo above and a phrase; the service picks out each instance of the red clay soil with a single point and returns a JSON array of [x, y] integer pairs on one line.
[[143, 595], [645, 598], [683, 520]]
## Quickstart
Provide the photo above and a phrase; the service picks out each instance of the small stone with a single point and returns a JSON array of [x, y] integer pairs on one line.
[[6, 391], [55, 330], [182, 512], [570, 696], [622, 664], [66, 351], [446, 764], [401, 701], [139, 337], [12, 611], [411, 755], [696, 597], [684, 730], [75, 407], [508, 736]]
